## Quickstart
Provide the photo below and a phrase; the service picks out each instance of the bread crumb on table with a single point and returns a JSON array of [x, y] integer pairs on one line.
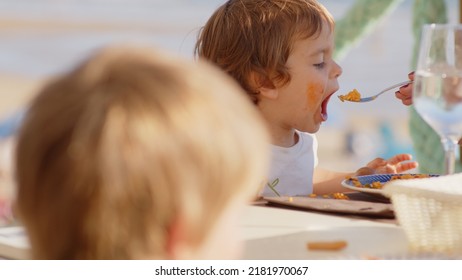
[[327, 245]]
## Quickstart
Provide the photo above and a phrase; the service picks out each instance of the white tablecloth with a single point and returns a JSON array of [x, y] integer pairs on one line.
[[275, 233]]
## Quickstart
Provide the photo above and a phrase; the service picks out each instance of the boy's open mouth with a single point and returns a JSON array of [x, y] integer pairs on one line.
[[324, 114]]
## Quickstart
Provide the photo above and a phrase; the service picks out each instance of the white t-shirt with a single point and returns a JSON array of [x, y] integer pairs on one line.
[[291, 170]]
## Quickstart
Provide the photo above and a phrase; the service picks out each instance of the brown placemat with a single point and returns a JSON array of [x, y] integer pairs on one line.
[[339, 206]]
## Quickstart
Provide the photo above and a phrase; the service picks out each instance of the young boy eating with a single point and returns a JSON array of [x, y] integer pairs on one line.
[[280, 51]]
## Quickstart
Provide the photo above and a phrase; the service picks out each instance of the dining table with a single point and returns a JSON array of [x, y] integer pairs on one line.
[[272, 230], [286, 228], [278, 232]]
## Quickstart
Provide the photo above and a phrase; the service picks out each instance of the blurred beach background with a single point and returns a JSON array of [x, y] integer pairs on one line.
[[41, 38]]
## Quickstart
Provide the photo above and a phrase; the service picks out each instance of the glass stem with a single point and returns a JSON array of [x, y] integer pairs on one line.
[[450, 149]]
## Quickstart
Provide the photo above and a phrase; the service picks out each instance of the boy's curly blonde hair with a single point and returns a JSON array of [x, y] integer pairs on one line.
[[110, 154], [252, 39]]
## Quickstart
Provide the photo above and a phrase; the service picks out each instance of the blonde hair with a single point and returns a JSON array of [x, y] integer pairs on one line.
[[245, 37], [109, 154]]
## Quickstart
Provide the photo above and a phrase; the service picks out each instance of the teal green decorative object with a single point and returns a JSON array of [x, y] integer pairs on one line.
[[360, 20], [426, 11]]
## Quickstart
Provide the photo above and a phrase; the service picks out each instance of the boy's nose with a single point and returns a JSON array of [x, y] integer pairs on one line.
[[337, 70]]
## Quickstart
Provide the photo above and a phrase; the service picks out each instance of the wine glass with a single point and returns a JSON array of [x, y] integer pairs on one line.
[[437, 94]]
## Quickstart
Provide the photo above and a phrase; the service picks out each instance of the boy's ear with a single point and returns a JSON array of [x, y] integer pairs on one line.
[[264, 86], [270, 93]]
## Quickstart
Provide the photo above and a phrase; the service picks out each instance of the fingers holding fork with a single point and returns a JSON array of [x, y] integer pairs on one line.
[[404, 93]]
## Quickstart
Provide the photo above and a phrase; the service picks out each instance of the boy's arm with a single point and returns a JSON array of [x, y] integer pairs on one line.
[[327, 181]]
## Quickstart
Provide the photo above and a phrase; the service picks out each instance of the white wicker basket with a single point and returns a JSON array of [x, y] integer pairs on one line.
[[430, 212]]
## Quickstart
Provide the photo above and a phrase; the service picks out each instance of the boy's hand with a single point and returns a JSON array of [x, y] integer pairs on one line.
[[404, 93], [396, 164]]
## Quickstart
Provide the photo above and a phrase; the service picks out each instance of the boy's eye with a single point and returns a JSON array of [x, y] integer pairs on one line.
[[319, 65]]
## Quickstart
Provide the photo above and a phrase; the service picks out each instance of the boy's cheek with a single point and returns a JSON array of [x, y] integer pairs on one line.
[[313, 95]]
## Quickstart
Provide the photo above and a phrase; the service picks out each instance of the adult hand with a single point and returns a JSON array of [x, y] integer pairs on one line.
[[404, 93]]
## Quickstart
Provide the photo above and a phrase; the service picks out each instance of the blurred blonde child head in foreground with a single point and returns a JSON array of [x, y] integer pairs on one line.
[[138, 155]]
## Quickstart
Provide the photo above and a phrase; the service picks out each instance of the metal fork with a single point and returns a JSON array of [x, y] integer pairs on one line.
[[370, 98]]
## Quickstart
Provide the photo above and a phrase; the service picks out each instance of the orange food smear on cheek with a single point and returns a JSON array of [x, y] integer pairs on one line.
[[313, 94]]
